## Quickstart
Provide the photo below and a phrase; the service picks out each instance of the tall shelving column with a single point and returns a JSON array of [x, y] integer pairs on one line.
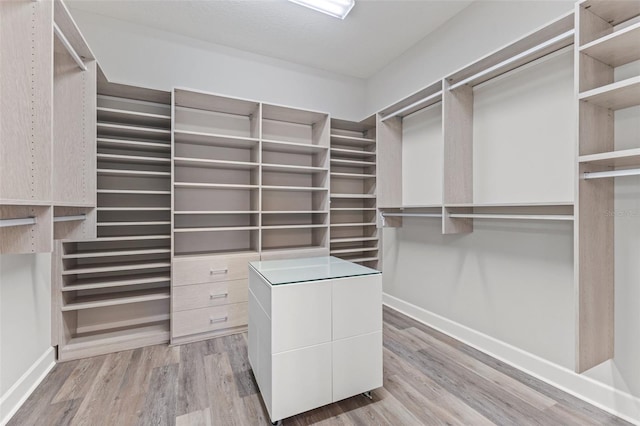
[[354, 233], [113, 292], [215, 212], [607, 39], [295, 183]]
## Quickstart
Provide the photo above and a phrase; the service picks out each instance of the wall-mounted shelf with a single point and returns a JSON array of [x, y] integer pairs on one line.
[[615, 96]]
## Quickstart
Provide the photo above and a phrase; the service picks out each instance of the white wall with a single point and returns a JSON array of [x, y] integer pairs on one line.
[[25, 325], [158, 59], [479, 29]]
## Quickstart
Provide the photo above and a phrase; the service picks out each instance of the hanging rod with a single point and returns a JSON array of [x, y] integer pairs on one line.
[[411, 214], [515, 58], [58, 32], [611, 173], [71, 218], [413, 105], [21, 221], [512, 216]]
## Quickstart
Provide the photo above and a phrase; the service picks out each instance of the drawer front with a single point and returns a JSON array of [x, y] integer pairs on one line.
[[207, 269], [209, 319], [357, 306], [210, 294]]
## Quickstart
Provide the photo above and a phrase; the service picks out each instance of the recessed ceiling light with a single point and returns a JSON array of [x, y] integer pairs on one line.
[[336, 8]]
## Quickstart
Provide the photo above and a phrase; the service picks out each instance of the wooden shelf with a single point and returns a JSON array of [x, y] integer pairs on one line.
[[293, 169], [295, 212], [150, 223], [352, 140], [351, 153], [135, 159], [291, 147], [101, 253], [216, 229], [117, 281], [353, 250], [194, 185], [212, 139], [208, 253], [132, 191], [353, 175], [214, 164], [114, 299], [137, 145], [115, 267], [352, 240], [133, 209], [363, 259], [136, 132], [613, 11], [355, 196], [353, 209], [290, 249], [531, 204], [134, 238], [113, 115], [133, 173], [310, 226], [293, 188], [350, 225], [615, 96], [618, 48], [622, 158], [219, 212], [352, 163], [512, 216], [103, 342]]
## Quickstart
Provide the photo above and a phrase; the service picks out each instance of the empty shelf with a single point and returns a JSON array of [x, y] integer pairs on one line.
[[145, 223], [295, 212], [511, 216], [135, 159], [291, 147], [352, 209], [348, 225], [292, 188], [208, 212], [367, 196], [293, 169], [622, 158], [216, 229], [133, 173], [353, 250], [132, 191], [134, 238], [352, 175], [214, 164], [115, 267], [352, 239], [613, 11], [351, 153], [137, 145], [113, 299], [118, 281], [352, 140], [615, 96], [133, 209], [212, 139], [196, 185], [618, 48], [272, 227], [129, 131], [112, 253], [124, 116], [352, 163]]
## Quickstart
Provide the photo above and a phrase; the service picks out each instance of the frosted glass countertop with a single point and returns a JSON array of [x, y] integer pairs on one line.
[[289, 271]]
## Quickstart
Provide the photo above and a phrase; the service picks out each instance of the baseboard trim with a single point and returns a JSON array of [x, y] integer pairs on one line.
[[17, 394], [614, 401]]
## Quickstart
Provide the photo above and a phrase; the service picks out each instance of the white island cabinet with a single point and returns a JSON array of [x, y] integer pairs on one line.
[[315, 332]]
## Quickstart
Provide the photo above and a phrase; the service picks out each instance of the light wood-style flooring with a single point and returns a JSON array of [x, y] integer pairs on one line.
[[429, 379]]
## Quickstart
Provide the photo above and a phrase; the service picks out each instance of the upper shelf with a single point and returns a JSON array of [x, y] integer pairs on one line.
[[615, 96], [212, 139], [215, 103], [622, 158], [616, 49], [424, 98], [613, 11]]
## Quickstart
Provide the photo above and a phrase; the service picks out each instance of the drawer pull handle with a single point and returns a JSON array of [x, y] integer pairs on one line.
[[216, 320], [218, 296], [218, 271]]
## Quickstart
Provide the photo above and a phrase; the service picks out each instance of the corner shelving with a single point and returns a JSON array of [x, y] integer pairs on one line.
[[354, 151]]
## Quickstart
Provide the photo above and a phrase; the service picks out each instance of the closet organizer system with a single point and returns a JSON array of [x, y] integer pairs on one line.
[[191, 186], [605, 35]]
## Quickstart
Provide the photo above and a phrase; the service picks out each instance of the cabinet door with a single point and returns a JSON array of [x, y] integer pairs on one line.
[[357, 365], [301, 381], [300, 315], [357, 306]]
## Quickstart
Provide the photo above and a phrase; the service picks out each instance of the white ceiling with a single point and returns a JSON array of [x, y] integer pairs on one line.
[[374, 33]]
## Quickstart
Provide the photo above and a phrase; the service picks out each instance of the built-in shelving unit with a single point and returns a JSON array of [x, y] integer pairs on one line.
[[607, 37], [112, 293], [354, 232]]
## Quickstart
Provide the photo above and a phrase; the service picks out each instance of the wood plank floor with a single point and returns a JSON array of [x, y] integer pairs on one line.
[[429, 379]]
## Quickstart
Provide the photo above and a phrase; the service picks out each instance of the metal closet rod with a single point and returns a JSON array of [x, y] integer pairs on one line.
[[70, 218], [20, 221], [67, 45], [511, 216], [410, 106], [611, 173]]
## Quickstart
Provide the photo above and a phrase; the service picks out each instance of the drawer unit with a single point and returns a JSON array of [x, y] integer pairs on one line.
[[205, 320], [207, 269], [206, 295]]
